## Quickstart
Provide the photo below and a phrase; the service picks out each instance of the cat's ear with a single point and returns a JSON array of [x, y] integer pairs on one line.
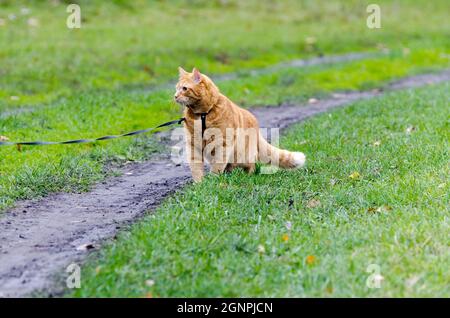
[[197, 76], [181, 71]]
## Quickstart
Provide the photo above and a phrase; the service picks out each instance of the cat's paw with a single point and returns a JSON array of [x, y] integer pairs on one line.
[[299, 159]]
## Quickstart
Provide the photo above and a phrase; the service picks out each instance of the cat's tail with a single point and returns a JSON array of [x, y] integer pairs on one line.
[[279, 157]]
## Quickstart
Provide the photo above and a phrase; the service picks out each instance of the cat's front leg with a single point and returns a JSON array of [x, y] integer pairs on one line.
[[218, 167], [196, 165], [195, 159], [220, 157]]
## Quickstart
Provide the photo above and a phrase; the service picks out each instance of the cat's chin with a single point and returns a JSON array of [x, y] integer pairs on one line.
[[190, 107], [184, 104]]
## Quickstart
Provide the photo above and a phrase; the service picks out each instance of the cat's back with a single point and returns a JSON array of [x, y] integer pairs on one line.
[[246, 118]]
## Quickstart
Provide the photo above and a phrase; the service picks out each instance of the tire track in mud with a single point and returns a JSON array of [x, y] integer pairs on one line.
[[39, 238]]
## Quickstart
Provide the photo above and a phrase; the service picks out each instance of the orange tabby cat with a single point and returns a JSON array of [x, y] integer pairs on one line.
[[230, 133]]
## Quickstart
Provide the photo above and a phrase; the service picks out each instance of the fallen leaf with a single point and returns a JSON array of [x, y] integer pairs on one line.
[[147, 69], [410, 129], [261, 249], [4, 138], [355, 175], [313, 203], [383, 208], [371, 210], [222, 57], [285, 237], [310, 259]]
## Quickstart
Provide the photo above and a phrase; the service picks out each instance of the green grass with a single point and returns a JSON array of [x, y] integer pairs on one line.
[[96, 80], [108, 78], [133, 44], [37, 171], [229, 235]]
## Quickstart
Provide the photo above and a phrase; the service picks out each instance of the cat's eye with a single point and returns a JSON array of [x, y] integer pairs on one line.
[[184, 88]]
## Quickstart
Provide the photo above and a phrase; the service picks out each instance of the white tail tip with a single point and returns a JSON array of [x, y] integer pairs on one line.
[[299, 159]]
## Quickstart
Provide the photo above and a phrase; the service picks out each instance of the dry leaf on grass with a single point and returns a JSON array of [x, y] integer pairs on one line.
[[383, 208], [354, 175], [313, 203], [261, 249], [310, 259], [285, 237], [410, 129]]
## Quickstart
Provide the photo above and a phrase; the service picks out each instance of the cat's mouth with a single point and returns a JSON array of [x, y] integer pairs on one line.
[[185, 103], [181, 102]]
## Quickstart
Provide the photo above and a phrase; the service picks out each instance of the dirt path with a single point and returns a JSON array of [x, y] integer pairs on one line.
[[39, 239]]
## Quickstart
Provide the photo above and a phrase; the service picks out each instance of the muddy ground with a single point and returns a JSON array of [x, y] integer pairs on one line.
[[40, 238]]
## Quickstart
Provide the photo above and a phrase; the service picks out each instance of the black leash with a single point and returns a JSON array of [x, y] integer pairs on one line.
[[81, 141], [203, 117]]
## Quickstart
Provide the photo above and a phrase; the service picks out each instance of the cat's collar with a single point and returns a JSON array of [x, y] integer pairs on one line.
[[203, 118]]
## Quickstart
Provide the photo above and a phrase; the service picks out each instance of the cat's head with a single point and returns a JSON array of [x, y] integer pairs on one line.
[[195, 91]]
